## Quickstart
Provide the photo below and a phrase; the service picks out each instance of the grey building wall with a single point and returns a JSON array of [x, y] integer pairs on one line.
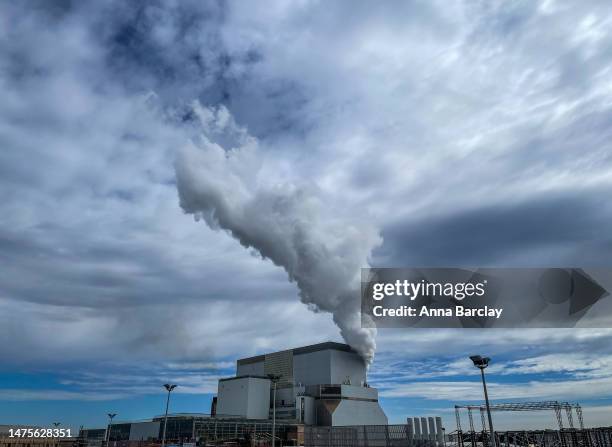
[[355, 412], [351, 405], [312, 368], [306, 370], [248, 397], [250, 369], [326, 363], [359, 392], [285, 396], [280, 364], [259, 399], [93, 436], [347, 365], [143, 431], [328, 367]]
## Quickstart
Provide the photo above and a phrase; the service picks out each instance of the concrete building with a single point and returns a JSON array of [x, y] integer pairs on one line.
[[323, 384], [92, 437], [134, 431], [319, 385], [145, 431], [244, 396]]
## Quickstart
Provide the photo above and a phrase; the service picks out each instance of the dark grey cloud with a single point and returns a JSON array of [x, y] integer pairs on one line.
[[542, 231]]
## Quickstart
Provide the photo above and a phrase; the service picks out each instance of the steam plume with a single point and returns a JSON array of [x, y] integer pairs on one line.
[[321, 250]]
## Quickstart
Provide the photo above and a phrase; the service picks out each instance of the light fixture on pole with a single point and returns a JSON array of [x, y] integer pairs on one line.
[[481, 363], [110, 422], [274, 378], [168, 388]]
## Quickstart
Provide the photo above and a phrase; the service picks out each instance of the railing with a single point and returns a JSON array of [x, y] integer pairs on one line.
[[590, 437], [399, 436], [363, 436]]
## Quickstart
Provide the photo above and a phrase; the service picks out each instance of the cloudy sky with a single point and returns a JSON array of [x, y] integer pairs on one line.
[[462, 133]]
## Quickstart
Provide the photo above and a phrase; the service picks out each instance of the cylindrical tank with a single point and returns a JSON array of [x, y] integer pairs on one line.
[[424, 429], [409, 429], [432, 428], [417, 428], [439, 431]]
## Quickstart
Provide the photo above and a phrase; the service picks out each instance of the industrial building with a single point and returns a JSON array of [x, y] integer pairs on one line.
[[323, 384], [136, 431], [307, 391]]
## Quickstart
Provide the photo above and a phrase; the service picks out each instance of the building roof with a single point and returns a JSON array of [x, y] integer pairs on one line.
[[303, 350], [243, 377]]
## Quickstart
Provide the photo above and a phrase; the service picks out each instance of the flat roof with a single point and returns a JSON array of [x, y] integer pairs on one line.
[[243, 377], [303, 350]]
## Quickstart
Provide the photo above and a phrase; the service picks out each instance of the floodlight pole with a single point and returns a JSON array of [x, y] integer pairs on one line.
[[481, 363], [110, 422], [169, 388], [274, 379], [484, 385]]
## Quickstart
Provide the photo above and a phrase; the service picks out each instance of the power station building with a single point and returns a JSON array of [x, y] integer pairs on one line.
[[309, 389], [323, 384]]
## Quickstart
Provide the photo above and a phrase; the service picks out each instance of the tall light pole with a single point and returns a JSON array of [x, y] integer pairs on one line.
[[169, 388], [110, 422], [274, 379], [481, 363]]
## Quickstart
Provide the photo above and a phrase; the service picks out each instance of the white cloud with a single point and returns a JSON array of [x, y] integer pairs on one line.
[[469, 391], [410, 113], [24, 394]]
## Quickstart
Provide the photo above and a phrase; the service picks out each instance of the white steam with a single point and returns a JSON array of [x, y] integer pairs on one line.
[[321, 249]]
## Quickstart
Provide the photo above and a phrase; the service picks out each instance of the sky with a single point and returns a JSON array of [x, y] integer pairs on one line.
[[462, 133]]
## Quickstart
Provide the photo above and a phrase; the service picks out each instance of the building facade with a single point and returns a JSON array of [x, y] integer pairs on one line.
[[322, 384], [315, 387]]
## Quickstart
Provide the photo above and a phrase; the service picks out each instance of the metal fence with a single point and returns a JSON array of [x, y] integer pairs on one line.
[[399, 436], [594, 437], [241, 432], [363, 436]]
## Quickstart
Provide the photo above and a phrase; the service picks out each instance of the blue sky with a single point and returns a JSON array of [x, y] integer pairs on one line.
[[409, 387], [425, 133]]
